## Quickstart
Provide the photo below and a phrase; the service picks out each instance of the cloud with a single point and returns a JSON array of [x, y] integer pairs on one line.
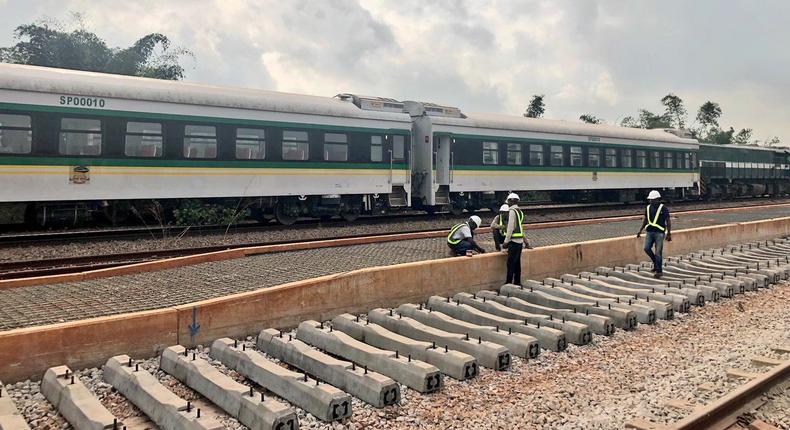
[[600, 57]]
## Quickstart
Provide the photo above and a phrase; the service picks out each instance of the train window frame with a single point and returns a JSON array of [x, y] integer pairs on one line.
[[376, 148], [655, 159], [669, 160], [335, 147], [197, 139], [610, 157], [539, 150], [576, 156], [143, 134], [64, 132], [14, 129], [687, 160], [250, 141], [627, 154], [640, 157], [557, 150], [398, 147], [594, 154], [491, 149], [302, 145], [514, 148]]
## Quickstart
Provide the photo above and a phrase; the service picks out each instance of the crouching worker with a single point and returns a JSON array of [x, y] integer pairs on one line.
[[499, 226], [461, 238]]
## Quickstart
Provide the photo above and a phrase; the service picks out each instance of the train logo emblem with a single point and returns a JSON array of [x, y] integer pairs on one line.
[[80, 175]]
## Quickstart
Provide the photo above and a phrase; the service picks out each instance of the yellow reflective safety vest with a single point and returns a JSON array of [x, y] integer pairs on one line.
[[653, 222], [502, 224], [455, 228], [518, 231]]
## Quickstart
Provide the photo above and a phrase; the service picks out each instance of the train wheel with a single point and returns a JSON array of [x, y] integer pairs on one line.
[[351, 214], [283, 215]]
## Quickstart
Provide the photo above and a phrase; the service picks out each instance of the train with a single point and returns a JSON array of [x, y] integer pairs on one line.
[[76, 144]]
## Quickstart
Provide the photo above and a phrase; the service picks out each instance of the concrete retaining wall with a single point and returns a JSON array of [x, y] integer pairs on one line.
[[28, 352]]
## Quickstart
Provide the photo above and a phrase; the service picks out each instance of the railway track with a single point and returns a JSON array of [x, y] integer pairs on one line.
[[373, 356], [77, 264], [563, 211]]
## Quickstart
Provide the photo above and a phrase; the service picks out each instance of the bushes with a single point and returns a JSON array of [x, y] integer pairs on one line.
[[193, 212]]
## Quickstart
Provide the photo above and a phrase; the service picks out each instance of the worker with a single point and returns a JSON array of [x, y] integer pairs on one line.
[[499, 226], [461, 238], [658, 226], [514, 239]]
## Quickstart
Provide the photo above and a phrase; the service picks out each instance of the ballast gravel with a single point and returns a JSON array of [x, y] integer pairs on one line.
[[645, 374]]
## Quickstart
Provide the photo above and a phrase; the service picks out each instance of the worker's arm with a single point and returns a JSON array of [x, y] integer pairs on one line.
[[644, 223], [494, 224], [477, 247]]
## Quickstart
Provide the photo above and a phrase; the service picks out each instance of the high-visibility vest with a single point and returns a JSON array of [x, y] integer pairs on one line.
[[519, 230], [502, 224], [455, 228], [654, 221]]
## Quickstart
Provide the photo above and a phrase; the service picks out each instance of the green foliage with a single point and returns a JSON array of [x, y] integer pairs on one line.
[[674, 110], [719, 137], [51, 45], [646, 119], [590, 119], [536, 107], [193, 212], [774, 141], [743, 137]]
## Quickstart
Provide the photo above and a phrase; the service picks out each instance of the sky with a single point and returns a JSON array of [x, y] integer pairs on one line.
[[608, 58]]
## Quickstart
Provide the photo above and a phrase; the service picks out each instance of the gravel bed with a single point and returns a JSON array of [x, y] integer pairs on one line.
[[174, 240], [598, 386]]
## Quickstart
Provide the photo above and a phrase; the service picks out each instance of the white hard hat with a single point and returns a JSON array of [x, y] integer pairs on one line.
[[512, 196], [476, 220], [654, 195], [504, 208]]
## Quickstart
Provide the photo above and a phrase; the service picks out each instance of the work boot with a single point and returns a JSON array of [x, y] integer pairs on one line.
[[657, 275]]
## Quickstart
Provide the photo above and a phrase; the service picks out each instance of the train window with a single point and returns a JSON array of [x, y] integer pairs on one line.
[[669, 160], [641, 159], [295, 146], [335, 147], [626, 158], [16, 134], [535, 155], [80, 136], [576, 156], [514, 154], [143, 139], [557, 156], [594, 157], [376, 148], [694, 160], [398, 147], [687, 160], [655, 159], [490, 153], [611, 157], [250, 144], [200, 141]]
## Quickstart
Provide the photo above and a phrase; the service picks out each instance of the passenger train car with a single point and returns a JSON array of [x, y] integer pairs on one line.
[[77, 143]]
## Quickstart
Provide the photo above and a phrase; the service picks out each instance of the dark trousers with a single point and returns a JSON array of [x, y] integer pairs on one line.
[[655, 238], [461, 247], [514, 263], [498, 239]]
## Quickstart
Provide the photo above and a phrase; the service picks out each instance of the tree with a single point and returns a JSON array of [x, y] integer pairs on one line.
[[709, 114], [743, 137], [774, 141], [536, 107], [590, 119], [674, 110], [49, 44], [719, 137], [648, 119], [629, 122]]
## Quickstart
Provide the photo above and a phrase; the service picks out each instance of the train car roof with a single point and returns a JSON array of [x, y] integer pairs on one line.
[[94, 84], [746, 147], [520, 123]]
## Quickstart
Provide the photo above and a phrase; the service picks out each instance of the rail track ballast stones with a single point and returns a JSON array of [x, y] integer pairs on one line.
[[10, 418]]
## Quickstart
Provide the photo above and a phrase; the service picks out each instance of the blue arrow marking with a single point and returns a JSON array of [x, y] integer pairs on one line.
[[194, 327]]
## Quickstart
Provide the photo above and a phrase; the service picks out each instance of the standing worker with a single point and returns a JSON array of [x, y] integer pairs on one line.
[[461, 238], [514, 239], [499, 226], [658, 224]]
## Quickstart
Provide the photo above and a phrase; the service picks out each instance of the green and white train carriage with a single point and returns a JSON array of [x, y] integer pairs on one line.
[[470, 161], [72, 140]]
